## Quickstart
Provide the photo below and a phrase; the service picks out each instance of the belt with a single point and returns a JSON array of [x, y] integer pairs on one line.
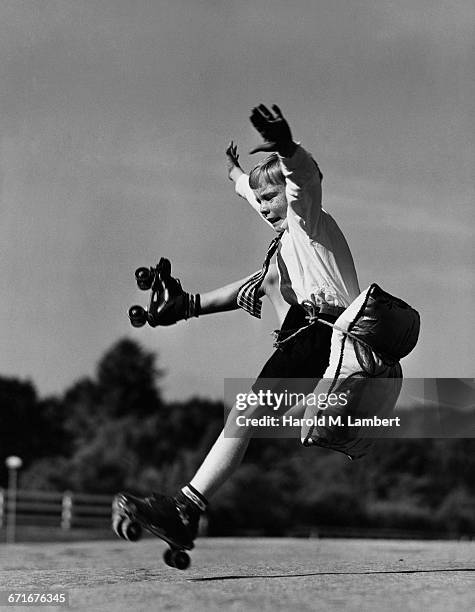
[[331, 310], [313, 310]]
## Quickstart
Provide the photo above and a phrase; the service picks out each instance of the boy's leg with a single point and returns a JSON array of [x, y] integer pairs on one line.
[[227, 452], [226, 456], [222, 460], [178, 516]]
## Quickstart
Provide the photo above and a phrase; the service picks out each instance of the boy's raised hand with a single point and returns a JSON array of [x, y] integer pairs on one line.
[[274, 129], [232, 161], [232, 155]]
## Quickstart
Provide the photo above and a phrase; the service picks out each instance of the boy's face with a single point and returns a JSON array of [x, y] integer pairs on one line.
[[273, 203]]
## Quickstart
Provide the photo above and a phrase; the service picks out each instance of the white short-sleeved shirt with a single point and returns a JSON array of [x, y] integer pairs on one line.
[[314, 253]]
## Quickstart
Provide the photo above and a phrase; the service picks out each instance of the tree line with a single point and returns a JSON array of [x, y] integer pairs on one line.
[[113, 431]]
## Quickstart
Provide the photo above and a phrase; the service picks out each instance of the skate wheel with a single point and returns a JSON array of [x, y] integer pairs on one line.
[[137, 316], [144, 278], [168, 557], [181, 559], [130, 530], [117, 526], [177, 558]]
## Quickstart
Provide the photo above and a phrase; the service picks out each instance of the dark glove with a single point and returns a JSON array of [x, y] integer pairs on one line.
[[274, 129]]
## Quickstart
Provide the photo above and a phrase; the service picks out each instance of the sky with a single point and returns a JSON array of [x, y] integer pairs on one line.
[[114, 118]]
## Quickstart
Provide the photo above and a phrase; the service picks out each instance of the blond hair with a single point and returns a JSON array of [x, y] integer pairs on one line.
[[268, 171]]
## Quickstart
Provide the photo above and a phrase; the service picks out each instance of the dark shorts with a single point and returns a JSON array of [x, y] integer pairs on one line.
[[304, 357]]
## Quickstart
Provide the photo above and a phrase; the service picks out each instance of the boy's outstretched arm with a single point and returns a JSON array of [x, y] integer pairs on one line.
[[222, 299], [172, 304], [232, 162], [303, 178], [225, 298]]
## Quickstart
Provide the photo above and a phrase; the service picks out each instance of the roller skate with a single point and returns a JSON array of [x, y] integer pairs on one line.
[[168, 518], [150, 279]]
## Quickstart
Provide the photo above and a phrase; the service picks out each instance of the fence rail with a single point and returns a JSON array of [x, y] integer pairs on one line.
[[66, 510]]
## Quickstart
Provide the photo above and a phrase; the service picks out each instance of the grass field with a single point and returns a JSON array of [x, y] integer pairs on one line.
[[249, 574]]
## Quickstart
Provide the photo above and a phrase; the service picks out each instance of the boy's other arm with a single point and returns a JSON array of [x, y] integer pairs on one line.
[[224, 298], [241, 180], [239, 177]]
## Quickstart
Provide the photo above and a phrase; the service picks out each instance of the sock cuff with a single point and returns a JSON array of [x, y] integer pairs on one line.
[[195, 496]]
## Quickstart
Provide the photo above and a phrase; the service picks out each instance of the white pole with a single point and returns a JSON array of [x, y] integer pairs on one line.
[[67, 510], [13, 464]]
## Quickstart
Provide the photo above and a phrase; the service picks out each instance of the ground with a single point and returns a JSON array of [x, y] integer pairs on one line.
[[250, 574]]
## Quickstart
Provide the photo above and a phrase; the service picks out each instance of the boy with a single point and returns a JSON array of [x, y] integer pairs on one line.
[[315, 271]]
